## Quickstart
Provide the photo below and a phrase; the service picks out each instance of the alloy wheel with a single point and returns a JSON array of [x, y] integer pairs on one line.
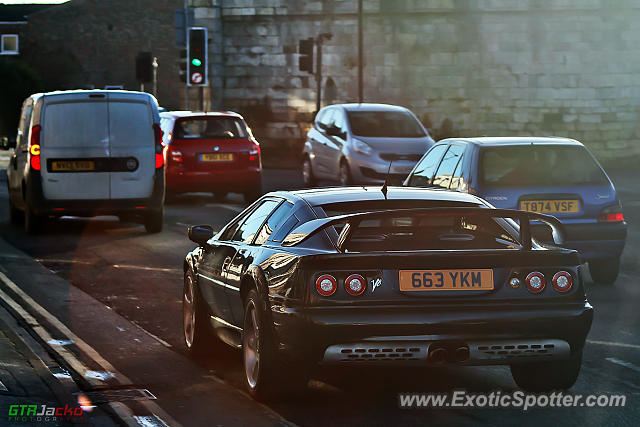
[[189, 312], [250, 344]]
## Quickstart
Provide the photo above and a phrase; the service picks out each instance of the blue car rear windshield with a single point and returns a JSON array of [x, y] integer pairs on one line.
[[539, 165], [384, 124]]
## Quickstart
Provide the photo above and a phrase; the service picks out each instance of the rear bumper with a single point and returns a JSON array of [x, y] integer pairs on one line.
[[315, 333], [592, 241], [206, 181], [93, 207]]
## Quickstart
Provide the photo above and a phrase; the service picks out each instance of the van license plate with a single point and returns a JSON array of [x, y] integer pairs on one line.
[[446, 280], [72, 166], [216, 157]]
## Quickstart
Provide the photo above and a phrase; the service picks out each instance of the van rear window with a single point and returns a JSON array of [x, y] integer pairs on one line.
[[539, 165], [210, 127]]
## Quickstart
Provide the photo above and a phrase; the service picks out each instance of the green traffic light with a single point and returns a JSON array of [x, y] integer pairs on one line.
[[196, 62]]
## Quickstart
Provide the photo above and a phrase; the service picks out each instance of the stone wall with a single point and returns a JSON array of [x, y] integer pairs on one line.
[[466, 67], [93, 43]]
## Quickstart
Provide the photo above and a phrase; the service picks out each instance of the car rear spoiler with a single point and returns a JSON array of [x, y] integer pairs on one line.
[[352, 222]]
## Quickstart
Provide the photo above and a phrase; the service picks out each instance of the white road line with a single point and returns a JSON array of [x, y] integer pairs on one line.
[[142, 267], [614, 344], [69, 357], [623, 363], [160, 340], [64, 261]]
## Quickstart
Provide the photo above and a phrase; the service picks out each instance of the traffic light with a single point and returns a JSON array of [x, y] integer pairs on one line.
[[144, 66], [305, 60], [197, 57]]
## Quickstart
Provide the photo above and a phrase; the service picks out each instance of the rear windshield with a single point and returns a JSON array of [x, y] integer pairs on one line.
[[424, 231], [539, 165], [385, 124], [210, 127]]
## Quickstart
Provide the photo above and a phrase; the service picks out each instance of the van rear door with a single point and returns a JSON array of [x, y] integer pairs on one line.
[[75, 147], [132, 145]]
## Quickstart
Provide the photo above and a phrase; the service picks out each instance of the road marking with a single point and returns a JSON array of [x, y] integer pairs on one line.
[[623, 363], [614, 344], [142, 267], [63, 261], [160, 340], [122, 410], [235, 208]]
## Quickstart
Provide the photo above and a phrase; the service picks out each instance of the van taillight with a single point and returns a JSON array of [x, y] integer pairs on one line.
[[611, 214], [157, 133], [34, 148]]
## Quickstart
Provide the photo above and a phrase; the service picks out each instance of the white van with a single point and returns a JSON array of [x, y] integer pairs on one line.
[[87, 153]]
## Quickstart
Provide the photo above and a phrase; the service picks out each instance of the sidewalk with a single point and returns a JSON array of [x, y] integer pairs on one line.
[[34, 389]]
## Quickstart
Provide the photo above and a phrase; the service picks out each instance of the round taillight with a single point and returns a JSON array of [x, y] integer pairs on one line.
[[562, 281], [326, 285], [355, 284], [535, 282]]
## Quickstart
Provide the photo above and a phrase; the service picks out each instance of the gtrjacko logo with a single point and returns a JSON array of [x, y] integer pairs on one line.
[[44, 413]]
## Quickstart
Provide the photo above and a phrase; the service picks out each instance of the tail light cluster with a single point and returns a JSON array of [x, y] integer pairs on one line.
[[611, 214], [254, 155], [562, 281], [157, 134], [34, 147], [354, 284]]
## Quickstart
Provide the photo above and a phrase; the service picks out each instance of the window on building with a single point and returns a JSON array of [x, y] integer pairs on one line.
[[9, 44]]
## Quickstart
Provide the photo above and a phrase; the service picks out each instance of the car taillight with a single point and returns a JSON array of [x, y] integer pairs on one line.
[[254, 154], [611, 214], [157, 133], [326, 285], [355, 284], [562, 281], [34, 147], [176, 156], [535, 282]]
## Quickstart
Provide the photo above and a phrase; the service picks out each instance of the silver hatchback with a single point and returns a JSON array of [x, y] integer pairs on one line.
[[357, 144]]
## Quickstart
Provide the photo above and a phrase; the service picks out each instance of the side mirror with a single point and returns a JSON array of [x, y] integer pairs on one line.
[[200, 234], [335, 131]]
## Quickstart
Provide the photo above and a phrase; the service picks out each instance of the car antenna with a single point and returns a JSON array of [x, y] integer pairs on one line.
[[385, 186]]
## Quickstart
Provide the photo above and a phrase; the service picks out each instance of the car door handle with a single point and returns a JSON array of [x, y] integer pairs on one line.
[[226, 263]]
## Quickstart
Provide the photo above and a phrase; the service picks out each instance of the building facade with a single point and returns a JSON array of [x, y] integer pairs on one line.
[[466, 67]]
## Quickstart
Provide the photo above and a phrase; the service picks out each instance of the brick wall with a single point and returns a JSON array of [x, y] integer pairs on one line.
[[93, 43], [467, 67]]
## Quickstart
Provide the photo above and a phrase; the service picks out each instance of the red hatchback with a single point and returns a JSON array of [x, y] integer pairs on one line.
[[210, 152]]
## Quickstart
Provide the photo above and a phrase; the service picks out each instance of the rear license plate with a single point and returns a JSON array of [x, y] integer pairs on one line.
[[72, 165], [550, 206], [216, 157], [446, 280]]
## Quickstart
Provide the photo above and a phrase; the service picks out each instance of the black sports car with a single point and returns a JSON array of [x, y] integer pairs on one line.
[[358, 276]]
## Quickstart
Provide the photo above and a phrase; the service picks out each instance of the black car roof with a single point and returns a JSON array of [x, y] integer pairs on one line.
[[328, 195], [515, 140]]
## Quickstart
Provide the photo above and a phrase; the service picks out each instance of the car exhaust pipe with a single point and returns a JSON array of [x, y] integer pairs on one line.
[[461, 354], [437, 356]]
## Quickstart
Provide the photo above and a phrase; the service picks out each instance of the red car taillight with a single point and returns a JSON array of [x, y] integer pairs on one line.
[[254, 155], [157, 133], [611, 214], [34, 147], [355, 284], [562, 281], [535, 282], [326, 285]]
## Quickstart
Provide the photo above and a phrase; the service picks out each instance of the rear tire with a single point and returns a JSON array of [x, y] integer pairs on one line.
[[345, 174], [267, 377], [547, 376], [32, 222], [199, 337], [153, 221], [604, 271], [16, 216], [307, 173]]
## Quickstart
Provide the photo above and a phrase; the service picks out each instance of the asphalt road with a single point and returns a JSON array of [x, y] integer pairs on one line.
[[139, 276]]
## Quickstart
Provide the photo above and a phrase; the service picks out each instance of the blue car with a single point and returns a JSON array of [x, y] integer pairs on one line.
[[556, 176]]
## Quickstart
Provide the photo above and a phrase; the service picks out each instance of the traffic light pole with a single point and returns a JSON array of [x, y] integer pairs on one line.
[[318, 73], [186, 37]]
